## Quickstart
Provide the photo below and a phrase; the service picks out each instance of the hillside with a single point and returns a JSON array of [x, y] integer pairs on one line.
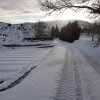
[[13, 33]]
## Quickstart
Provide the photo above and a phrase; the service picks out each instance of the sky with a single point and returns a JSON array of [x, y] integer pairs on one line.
[[19, 11]]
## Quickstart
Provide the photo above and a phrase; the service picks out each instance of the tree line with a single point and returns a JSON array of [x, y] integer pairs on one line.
[[68, 33]]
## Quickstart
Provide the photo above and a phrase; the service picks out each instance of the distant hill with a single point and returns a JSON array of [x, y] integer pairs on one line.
[[61, 23]]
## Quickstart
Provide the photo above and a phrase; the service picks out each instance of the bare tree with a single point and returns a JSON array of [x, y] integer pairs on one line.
[[62, 5], [39, 29]]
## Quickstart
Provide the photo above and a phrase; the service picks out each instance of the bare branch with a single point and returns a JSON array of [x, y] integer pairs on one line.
[[64, 4]]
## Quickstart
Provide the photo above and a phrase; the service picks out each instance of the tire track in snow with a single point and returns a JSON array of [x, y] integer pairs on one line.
[[88, 86], [70, 83], [80, 79], [78, 90], [90, 78]]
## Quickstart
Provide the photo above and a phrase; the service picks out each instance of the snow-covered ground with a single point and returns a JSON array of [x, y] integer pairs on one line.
[[15, 62], [80, 78], [40, 84], [86, 46], [69, 71]]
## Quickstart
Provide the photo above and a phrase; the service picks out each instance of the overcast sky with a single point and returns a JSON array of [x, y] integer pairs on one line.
[[18, 11]]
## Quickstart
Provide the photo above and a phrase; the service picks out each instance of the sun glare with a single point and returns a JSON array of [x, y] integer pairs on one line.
[[71, 15], [67, 15]]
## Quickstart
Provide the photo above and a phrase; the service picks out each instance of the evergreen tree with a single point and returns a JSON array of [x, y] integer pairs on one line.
[[70, 32], [54, 32]]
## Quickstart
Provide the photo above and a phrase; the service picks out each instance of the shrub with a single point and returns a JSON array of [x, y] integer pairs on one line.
[[9, 25]]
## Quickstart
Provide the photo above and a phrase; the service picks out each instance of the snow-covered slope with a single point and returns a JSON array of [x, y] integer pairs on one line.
[[14, 33]]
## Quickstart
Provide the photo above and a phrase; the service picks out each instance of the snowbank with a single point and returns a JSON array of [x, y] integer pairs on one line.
[[85, 45]]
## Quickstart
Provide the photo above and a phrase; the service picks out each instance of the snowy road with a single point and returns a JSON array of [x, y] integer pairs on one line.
[[80, 77], [67, 73]]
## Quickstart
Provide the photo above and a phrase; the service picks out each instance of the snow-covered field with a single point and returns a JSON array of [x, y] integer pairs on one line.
[[68, 71], [16, 62]]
